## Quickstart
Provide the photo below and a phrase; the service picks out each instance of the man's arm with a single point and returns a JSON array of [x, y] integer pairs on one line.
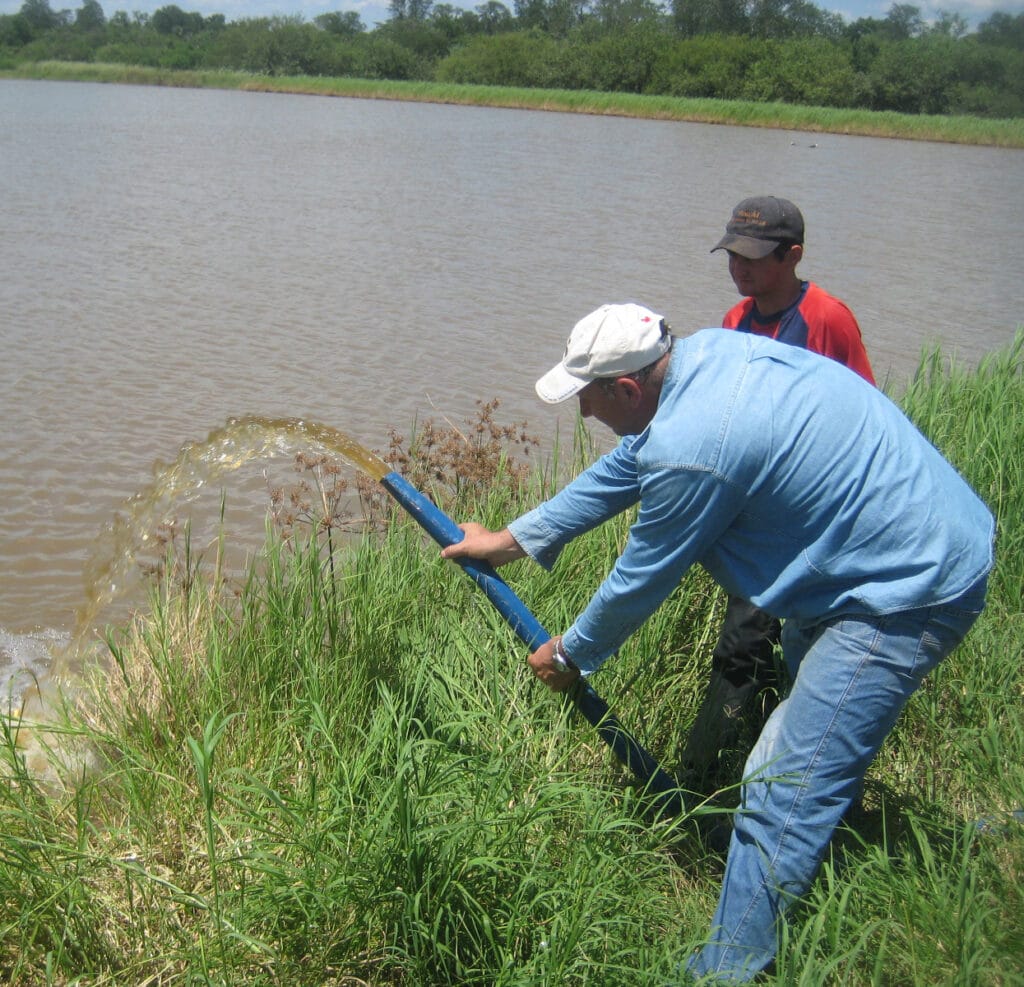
[[599, 493], [683, 513]]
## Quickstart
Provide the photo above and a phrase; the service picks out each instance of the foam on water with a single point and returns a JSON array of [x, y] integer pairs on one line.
[[25, 658]]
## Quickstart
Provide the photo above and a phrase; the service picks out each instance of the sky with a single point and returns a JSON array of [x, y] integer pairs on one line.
[[373, 12]]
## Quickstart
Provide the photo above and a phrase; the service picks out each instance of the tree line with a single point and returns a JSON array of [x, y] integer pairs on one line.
[[787, 51]]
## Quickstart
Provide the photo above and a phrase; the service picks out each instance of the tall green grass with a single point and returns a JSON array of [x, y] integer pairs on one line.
[[866, 123], [349, 776]]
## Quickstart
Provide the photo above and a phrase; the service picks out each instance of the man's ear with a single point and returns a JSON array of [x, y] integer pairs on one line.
[[630, 390]]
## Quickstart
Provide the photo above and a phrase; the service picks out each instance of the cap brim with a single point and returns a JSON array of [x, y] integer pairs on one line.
[[559, 385], [746, 246]]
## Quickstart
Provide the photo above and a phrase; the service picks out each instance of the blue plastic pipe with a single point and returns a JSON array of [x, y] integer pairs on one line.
[[446, 532]]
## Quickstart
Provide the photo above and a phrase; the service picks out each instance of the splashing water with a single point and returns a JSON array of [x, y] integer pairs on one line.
[[226, 449], [196, 468]]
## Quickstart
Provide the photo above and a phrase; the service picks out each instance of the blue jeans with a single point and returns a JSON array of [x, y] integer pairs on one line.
[[851, 678]]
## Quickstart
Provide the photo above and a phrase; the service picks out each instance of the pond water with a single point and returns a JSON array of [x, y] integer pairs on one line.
[[173, 258]]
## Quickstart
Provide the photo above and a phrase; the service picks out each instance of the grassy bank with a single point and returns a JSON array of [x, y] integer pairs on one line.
[[957, 130], [345, 774]]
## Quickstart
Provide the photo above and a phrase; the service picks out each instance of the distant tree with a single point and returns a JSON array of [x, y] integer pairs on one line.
[[15, 31], [917, 75], [177, 22], [40, 16], [863, 27], [454, 22], [989, 79], [519, 58], [420, 39], [696, 17], [624, 60], [347, 23], [904, 21], [90, 16], [793, 19], [385, 58], [950, 24], [554, 17], [804, 71], [767, 18], [122, 21], [1003, 29], [494, 17], [617, 15], [413, 10], [531, 13], [709, 66]]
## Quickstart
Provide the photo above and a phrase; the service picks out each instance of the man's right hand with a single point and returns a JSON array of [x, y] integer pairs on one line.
[[496, 547]]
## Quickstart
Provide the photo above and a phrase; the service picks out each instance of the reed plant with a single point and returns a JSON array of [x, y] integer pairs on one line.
[[345, 774]]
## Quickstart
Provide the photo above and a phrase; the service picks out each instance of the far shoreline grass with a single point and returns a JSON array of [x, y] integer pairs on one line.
[[1003, 133]]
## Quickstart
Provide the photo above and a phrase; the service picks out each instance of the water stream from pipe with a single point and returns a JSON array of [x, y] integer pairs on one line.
[[225, 451], [111, 572]]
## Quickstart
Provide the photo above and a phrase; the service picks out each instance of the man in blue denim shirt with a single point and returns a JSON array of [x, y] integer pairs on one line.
[[801, 488]]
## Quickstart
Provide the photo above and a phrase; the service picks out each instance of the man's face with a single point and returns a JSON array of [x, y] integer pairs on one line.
[[761, 277], [608, 403]]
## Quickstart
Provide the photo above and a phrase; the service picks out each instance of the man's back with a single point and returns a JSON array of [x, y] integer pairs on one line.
[[812, 491]]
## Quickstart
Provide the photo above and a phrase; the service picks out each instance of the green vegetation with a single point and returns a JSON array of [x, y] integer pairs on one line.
[[340, 771], [865, 123], [770, 52]]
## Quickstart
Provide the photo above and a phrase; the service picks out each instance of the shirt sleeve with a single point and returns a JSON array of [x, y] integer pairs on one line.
[[682, 513], [832, 331], [600, 492]]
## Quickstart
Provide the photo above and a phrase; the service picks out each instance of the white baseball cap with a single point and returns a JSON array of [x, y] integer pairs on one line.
[[611, 342]]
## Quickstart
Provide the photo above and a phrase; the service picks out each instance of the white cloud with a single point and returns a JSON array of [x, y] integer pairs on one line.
[[973, 11]]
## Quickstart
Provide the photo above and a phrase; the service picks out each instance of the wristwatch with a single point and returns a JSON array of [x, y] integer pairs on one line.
[[560, 659]]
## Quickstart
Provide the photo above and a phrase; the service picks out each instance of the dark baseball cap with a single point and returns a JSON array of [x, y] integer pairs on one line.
[[760, 224]]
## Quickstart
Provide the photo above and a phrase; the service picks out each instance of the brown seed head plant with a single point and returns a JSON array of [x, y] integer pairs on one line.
[[451, 464]]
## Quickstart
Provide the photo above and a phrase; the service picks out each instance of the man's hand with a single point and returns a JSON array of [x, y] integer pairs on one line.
[[496, 547], [544, 667]]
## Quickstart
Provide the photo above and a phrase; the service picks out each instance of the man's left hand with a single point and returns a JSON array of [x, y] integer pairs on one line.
[[544, 667]]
